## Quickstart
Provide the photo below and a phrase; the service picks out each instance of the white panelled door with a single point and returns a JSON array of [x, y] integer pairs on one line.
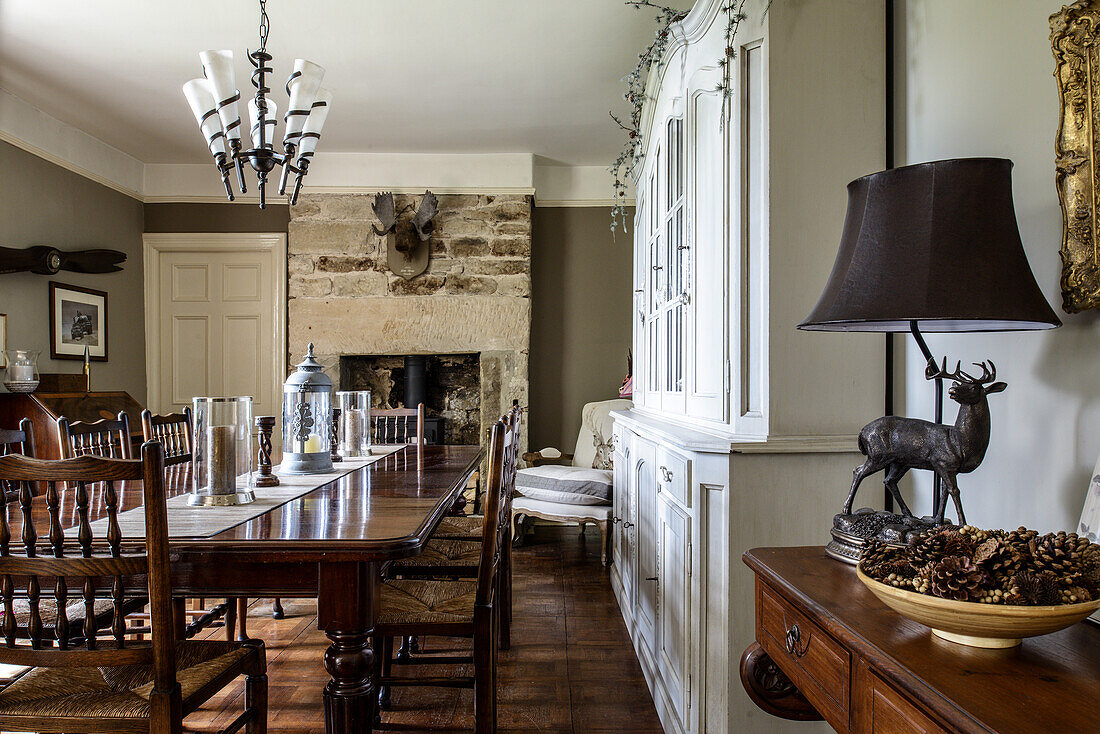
[[215, 316]]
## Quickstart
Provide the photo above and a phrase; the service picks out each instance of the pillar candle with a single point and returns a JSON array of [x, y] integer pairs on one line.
[[353, 432], [221, 458]]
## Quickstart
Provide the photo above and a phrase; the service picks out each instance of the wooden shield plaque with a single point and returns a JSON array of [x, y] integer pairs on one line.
[[407, 254]]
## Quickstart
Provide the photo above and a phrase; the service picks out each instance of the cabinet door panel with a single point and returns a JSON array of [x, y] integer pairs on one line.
[[645, 488], [707, 340], [673, 614]]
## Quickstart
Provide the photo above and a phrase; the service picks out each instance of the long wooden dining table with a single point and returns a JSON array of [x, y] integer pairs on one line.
[[328, 544]]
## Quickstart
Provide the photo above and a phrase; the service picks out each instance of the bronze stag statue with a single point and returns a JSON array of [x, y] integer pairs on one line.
[[900, 444]]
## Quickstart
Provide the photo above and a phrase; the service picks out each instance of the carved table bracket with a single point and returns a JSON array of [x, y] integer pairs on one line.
[[771, 690]]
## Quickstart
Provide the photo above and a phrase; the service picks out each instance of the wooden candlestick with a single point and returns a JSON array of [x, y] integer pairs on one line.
[[266, 424], [334, 436]]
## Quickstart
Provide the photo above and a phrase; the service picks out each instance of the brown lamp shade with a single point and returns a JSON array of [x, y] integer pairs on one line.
[[936, 243]]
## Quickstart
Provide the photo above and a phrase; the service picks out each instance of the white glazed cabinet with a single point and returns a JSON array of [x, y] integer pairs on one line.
[[743, 429]]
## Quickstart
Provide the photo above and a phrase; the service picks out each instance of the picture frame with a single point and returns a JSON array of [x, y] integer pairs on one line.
[[78, 319], [3, 340]]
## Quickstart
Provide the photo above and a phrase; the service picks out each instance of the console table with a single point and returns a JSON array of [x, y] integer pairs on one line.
[[826, 648]]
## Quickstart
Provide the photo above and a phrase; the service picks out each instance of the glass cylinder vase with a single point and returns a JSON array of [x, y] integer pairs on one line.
[[222, 452], [354, 429]]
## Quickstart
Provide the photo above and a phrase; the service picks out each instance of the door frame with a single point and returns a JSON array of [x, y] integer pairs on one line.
[[154, 244]]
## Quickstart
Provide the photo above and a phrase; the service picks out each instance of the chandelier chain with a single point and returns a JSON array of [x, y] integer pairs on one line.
[[265, 25]]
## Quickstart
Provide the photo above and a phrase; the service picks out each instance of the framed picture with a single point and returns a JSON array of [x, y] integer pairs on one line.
[[78, 319], [3, 340]]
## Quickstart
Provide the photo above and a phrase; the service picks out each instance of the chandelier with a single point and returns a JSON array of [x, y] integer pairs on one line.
[[213, 99]]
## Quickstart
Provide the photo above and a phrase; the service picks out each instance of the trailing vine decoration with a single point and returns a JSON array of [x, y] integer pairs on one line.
[[635, 95]]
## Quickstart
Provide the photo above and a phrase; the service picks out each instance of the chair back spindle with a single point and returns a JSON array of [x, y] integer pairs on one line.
[[496, 523], [174, 432], [19, 441], [107, 438]]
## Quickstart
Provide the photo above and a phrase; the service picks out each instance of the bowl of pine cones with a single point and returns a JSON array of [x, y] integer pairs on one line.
[[986, 588]]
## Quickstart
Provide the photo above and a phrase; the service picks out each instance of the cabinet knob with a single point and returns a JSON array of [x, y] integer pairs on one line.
[[615, 520], [666, 474], [627, 525], [794, 639], [651, 578]]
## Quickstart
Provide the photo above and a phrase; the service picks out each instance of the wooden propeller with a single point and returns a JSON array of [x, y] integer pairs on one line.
[[48, 260]]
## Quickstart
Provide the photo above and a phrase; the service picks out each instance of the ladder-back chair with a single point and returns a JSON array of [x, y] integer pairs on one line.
[[397, 425], [90, 678], [174, 433], [417, 607], [108, 438]]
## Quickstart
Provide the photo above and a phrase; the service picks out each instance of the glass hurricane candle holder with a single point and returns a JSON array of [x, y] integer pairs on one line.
[[222, 452], [354, 428], [22, 372]]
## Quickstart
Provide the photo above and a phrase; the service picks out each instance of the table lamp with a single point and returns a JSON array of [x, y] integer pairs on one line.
[[932, 247]]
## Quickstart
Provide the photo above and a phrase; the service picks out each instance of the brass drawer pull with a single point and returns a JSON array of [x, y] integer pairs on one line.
[[794, 647]]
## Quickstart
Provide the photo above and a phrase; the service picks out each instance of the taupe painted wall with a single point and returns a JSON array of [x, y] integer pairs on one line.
[[580, 317], [45, 204], [227, 217]]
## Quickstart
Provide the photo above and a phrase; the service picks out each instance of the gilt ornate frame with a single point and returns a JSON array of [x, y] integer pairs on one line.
[[1075, 40]]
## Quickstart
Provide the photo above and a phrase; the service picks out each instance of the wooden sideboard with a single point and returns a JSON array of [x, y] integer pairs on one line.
[[45, 408], [827, 648]]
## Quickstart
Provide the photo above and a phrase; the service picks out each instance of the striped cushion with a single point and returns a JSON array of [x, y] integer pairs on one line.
[[571, 485]]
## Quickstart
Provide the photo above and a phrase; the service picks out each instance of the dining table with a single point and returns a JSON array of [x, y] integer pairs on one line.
[[329, 544]]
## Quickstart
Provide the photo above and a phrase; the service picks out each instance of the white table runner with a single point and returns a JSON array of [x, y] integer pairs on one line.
[[204, 522]]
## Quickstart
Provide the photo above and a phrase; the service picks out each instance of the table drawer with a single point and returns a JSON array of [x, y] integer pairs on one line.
[[816, 663], [892, 713], [673, 475]]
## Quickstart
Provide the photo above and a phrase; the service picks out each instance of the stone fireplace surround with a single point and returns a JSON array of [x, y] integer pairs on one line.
[[475, 296]]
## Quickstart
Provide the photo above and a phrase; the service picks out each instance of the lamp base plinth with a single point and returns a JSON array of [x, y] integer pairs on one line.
[[243, 497], [851, 532]]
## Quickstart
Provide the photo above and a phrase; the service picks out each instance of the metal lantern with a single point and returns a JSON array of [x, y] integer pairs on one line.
[[307, 418]]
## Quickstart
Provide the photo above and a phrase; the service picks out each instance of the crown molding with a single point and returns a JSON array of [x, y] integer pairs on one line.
[[46, 137]]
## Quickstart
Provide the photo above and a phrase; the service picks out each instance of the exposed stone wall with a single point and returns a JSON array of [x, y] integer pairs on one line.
[[474, 297]]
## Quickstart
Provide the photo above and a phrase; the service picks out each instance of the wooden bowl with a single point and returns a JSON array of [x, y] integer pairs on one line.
[[978, 625]]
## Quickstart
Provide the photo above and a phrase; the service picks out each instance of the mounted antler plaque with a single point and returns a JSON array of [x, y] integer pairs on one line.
[[1074, 34], [406, 240]]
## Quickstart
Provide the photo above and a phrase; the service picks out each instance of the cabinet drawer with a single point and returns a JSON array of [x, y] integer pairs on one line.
[[818, 665], [892, 713], [673, 475]]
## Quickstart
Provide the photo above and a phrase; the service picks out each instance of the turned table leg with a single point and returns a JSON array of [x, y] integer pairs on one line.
[[345, 611], [771, 690]]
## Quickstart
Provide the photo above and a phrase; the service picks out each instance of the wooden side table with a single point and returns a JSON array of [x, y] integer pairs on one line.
[[826, 648]]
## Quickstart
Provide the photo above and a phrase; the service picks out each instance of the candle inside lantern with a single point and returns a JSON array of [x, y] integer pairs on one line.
[[21, 372], [353, 431], [313, 444], [221, 452]]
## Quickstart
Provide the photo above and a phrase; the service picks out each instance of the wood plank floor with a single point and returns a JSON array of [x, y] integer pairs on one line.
[[571, 668]]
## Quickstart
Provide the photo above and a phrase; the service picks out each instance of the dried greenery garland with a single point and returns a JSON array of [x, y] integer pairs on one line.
[[631, 154], [1018, 567]]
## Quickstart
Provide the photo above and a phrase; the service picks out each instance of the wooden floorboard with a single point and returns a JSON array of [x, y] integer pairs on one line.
[[571, 669]]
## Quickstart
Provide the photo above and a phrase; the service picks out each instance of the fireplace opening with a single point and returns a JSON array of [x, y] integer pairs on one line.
[[449, 385]]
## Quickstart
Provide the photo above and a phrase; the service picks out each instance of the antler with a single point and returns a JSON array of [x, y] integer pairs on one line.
[[422, 220], [931, 372], [384, 210], [987, 375]]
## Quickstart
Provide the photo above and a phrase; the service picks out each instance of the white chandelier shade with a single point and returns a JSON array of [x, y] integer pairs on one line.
[[311, 133], [218, 67], [270, 120], [302, 88], [200, 96]]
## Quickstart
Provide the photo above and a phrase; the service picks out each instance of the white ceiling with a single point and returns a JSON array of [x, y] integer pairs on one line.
[[423, 76]]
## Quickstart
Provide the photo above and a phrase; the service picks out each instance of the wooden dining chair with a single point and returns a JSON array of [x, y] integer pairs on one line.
[[89, 677], [18, 441], [175, 432], [108, 438], [455, 547], [448, 608], [397, 425]]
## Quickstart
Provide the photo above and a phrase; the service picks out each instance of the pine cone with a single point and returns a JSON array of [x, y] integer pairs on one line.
[[976, 535], [922, 582], [897, 573], [1075, 595], [874, 554], [997, 558], [937, 545], [1033, 589], [957, 578], [1059, 552], [1020, 539]]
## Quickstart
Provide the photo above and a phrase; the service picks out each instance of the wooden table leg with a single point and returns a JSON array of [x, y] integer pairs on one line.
[[345, 611]]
